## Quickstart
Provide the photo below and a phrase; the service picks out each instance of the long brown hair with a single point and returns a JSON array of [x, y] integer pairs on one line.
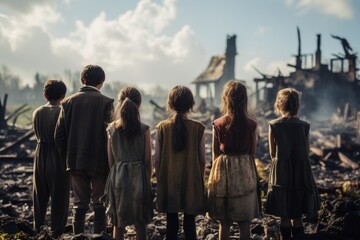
[[181, 101], [126, 115], [235, 102]]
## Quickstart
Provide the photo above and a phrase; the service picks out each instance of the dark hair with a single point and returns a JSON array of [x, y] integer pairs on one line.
[[235, 102], [92, 75], [54, 90], [287, 102], [180, 100], [126, 115]]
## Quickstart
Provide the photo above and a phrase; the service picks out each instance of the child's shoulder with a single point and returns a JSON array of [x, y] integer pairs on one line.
[[38, 109], [193, 121], [45, 107], [293, 120], [165, 122], [219, 121], [144, 126], [252, 122]]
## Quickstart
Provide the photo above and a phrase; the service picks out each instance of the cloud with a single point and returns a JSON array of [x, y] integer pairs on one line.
[[133, 48], [22, 6], [270, 69], [262, 30], [341, 9], [273, 68], [248, 67], [17, 26]]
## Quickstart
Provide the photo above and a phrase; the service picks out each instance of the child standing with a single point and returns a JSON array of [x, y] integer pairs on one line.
[[292, 189], [233, 178], [50, 179], [80, 135], [128, 190], [180, 165]]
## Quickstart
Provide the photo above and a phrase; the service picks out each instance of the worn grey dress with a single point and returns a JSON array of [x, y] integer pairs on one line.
[[292, 189], [128, 191]]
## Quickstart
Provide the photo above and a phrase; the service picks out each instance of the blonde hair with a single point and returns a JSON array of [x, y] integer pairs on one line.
[[287, 102]]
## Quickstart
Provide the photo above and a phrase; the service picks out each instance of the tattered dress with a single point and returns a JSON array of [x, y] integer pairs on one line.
[[292, 189], [128, 191]]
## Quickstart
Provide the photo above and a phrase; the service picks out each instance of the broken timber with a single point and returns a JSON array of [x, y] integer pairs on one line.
[[17, 142]]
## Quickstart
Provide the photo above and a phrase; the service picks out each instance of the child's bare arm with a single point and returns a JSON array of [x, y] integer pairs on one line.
[[110, 153], [308, 143], [148, 152], [157, 154], [215, 145], [272, 147], [60, 134], [254, 142], [202, 153]]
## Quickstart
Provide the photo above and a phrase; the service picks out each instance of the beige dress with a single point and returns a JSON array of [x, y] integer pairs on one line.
[[128, 191], [180, 185], [232, 185]]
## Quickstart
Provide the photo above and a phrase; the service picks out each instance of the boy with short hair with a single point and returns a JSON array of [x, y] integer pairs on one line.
[[80, 135], [50, 179]]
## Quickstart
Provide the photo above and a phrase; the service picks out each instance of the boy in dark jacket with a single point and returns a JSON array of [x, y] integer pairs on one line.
[[81, 137]]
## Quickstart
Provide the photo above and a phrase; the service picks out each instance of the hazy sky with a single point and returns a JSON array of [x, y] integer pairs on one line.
[[167, 42]]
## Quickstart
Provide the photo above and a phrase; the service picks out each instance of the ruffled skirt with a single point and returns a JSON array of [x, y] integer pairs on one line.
[[232, 189]]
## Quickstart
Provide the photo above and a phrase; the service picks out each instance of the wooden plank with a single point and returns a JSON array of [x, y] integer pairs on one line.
[[347, 161], [14, 159], [317, 151], [17, 142]]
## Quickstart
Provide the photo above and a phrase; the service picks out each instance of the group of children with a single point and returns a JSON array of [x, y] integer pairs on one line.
[[107, 155]]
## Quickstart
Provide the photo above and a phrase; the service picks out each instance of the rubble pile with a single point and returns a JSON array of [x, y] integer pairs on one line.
[[335, 158]]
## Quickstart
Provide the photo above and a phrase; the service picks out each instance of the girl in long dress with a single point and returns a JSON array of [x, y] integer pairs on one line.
[[128, 190], [292, 190], [180, 165], [232, 185]]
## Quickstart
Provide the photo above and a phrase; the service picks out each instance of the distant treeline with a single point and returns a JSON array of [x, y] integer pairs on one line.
[[18, 92]]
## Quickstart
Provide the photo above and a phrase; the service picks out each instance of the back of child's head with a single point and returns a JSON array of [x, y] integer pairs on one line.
[[181, 101], [54, 90], [92, 75], [235, 101], [126, 115], [287, 102]]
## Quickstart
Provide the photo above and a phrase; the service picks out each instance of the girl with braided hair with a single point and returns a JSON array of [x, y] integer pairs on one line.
[[180, 165], [292, 189]]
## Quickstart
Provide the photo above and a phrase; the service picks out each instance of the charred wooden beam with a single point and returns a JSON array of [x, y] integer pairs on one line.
[[16, 112], [347, 161], [13, 158], [24, 137]]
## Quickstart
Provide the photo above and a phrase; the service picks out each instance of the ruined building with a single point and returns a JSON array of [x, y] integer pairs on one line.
[[220, 69], [326, 88]]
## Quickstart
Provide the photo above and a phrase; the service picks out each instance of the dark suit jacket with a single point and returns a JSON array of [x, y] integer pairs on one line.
[[80, 133]]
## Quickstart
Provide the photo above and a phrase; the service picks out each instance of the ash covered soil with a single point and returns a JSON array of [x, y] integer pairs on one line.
[[335, 155]]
